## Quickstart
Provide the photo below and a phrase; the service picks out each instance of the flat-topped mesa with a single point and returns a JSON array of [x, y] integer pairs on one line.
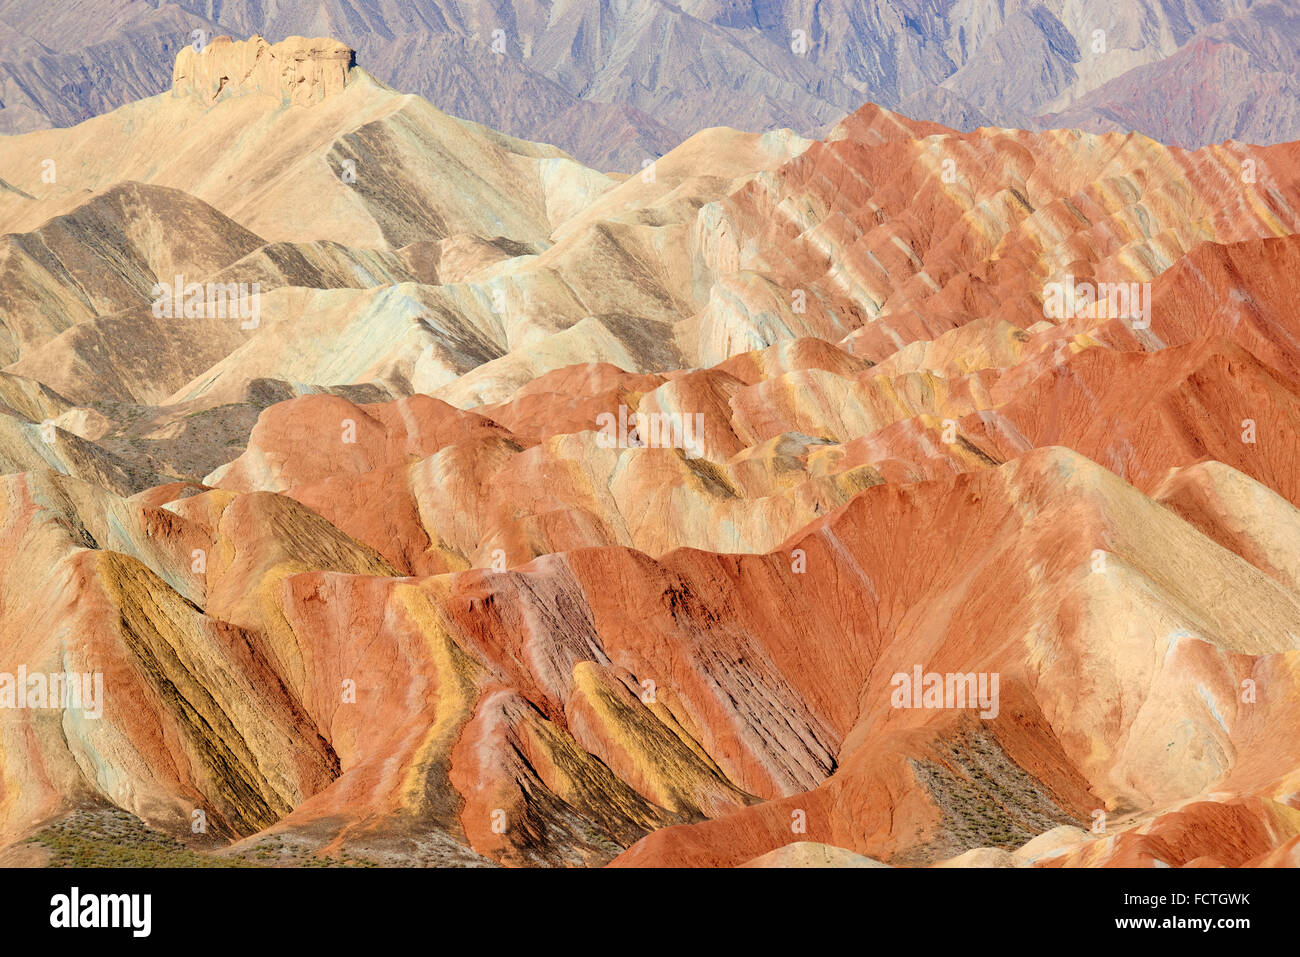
[[296, 70]]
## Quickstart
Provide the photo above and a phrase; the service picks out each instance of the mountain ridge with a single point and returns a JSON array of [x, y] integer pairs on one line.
[[617, 86]]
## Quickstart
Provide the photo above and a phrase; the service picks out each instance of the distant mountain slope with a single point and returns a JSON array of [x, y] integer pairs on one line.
[[616, 84]]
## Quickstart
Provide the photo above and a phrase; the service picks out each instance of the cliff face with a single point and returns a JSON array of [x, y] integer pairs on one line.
[[298, 70]]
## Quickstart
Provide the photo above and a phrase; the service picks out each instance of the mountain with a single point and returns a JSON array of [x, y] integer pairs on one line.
[[620, 84], [771, 506]]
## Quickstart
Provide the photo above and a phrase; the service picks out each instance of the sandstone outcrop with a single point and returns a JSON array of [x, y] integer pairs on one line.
[[296, 70]]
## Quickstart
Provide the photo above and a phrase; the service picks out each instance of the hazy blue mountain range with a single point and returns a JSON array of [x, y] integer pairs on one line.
[[617, 81]]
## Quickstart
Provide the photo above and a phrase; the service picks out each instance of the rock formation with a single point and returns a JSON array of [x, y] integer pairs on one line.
[[300, 72]]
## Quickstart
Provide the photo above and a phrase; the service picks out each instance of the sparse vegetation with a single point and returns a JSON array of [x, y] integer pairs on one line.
[[109, 837]]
